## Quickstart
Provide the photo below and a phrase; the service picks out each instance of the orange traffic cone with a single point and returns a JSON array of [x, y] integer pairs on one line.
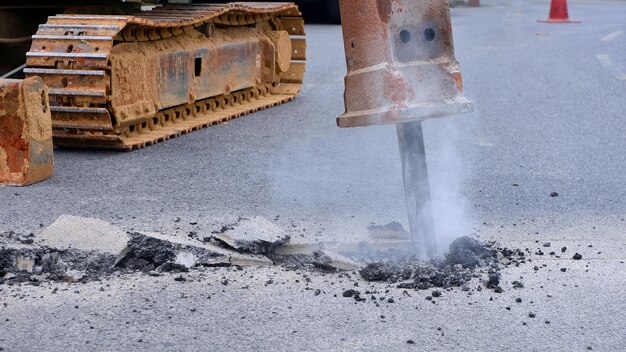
[[558, 13]]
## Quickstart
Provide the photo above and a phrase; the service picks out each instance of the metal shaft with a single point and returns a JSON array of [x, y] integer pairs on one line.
[[417, 188]]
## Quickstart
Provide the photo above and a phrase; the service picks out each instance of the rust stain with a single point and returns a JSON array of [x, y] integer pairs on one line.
[[25, 132], [397, 91], [384, 9], [12, 129], [459, 81], [402, 67]]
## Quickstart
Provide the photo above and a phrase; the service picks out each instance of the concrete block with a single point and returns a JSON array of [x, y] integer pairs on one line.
[[85, 234], [256, 235]]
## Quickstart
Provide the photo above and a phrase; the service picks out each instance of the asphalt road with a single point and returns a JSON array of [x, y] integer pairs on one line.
[[549, 118]]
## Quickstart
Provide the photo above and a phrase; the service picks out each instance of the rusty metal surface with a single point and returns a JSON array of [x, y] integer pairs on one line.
[[147, 77], [114, 77], [26, 154], [402, 70], [401, 64]]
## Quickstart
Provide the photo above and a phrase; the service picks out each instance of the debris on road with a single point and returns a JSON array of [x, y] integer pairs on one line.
[[85, 234], [324, 260], [256, 235], [462, 263], [333, 262], [155, 251], [35, 263], [76, 249]]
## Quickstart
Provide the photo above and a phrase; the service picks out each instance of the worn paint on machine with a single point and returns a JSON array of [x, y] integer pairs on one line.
[[401, 63], [26, 152], [124, 82]]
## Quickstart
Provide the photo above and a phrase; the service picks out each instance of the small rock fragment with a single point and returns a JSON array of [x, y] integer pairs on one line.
[[468, 252], [185, 259], [73, 276], [349, 293], [494, 280], [377, 272]]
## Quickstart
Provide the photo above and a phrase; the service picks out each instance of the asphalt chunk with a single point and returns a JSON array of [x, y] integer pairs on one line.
[[494, 280], [349, 293]]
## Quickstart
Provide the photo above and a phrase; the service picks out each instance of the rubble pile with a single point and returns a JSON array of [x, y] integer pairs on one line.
[[75, 249], [467, 258]]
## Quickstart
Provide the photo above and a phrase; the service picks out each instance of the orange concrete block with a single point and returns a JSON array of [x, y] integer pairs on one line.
[[26, 153]]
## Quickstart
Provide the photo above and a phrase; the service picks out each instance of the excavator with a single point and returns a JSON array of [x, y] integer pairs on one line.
[[124, 75]]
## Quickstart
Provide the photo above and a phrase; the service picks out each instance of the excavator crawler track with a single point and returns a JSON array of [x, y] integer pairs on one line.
[[126, 82]]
